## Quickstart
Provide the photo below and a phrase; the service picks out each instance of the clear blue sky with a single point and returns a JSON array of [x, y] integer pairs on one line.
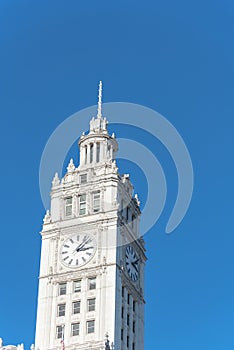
[[176, 57]]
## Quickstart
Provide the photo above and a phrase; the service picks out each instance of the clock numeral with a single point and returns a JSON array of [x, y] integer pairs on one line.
[[70, 261], [64, 252], [66, 258], [87, 253], [71, 240], [77, 262], [78, 238], [83, 259], [67, 246]]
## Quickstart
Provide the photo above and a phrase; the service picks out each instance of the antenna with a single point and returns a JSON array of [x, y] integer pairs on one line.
[[99, 114]]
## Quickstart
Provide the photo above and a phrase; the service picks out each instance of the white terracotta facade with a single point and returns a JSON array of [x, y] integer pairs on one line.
[[92, 200]]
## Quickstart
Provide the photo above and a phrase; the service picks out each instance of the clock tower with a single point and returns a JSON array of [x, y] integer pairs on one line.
[[91, 279]]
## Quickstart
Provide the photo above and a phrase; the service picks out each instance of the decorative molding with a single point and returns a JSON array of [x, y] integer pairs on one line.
[[47, 218]]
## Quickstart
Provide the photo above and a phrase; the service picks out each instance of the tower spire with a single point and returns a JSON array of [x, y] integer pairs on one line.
[[99, 114]]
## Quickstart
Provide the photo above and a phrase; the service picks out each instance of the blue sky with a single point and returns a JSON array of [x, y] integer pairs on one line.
[[176, 57]]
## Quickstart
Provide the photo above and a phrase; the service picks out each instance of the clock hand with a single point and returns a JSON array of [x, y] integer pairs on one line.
[[135, 266], [78, 248], [82, 249], [81, 245], [136, 261]]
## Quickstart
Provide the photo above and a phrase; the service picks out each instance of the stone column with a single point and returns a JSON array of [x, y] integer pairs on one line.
[[88, 153], [81, 155]]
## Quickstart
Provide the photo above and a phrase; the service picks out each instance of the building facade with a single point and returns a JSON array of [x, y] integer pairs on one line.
[[91, 282]]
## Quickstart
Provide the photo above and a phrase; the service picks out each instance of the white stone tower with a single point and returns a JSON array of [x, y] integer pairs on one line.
[[92, 256]]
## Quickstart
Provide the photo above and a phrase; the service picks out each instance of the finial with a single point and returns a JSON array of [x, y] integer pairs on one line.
[[137, 199], [56, 180], [71, 167], [99, 114], [47, 217]]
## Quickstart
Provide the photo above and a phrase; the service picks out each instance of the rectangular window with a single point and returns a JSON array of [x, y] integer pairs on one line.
[[92, 283], [122, 312], [122, 334], [127, 341], [127, 213], [91, 304], [82, 204], [128, 319], [133, 326], [133, 220], [83, 179], [128, 298], [75, 329], [90, 326], [122, 207], [134, 305], [96, 201], [98, 153], [133, 346], [76, 307], [59, 332], [62, 289], [77, 286], [123, 292], [91, 152], [61, 310], [68, 206], [86, 152]]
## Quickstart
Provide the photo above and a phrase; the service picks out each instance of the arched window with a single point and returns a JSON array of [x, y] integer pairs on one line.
[[91, 152], [98, 152]]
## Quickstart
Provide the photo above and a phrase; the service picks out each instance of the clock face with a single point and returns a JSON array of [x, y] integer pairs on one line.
[[78, 250], [132, 263]]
